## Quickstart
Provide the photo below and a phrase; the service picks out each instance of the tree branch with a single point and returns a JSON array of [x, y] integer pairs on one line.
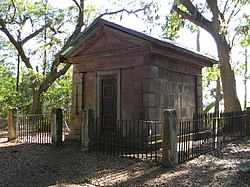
[[79, 25], [79, 7], [209, 107], [13, 17], [54, 73], [233, 39], [213, 8], [52, 77], [17, 44], [225, 7], [35, 33], [232, 14], [192, 17], [124, 10], [189, 5]]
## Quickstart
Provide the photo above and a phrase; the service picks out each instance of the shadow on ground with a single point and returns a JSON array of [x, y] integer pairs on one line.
[[45, 165]]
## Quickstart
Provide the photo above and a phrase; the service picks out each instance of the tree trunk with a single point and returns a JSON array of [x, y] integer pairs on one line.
[[37, 103], [231, 101], [217, 27]]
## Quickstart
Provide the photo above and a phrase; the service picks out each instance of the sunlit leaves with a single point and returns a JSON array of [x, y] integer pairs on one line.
[[172, 26], [8, 94], [244, 30], [58, 95], [7, 85], [90, 13]]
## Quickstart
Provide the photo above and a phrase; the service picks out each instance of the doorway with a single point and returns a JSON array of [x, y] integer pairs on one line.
[[108, 104]]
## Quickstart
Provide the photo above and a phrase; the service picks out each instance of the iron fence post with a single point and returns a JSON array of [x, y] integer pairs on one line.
[[214, 130], [169, 138]]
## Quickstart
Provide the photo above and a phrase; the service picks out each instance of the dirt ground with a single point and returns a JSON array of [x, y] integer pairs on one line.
[[45, 165]]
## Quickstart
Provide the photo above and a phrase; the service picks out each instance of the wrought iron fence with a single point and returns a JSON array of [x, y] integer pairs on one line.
[[34, 128], [208, 131], [130, 138], [231, 126]]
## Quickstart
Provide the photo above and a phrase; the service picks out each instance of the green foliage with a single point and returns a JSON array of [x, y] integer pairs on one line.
[[174, 22], [240, 67], [25, 92], [41, 30], [58, 95], [7, 87], [172, 26], [243, 30], [7, 52], [90, 13], [8, 94]]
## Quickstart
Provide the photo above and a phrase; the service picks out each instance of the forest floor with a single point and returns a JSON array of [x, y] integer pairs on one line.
[[45, 165]]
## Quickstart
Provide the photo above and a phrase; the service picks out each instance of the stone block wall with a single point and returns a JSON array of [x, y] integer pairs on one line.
[[131, 93], [178, 92], [173, 85], [89, 90]]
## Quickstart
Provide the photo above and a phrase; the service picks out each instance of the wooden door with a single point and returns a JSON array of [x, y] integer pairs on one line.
[[108, 105]]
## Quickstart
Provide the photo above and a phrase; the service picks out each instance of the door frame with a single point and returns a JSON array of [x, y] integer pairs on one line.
[[98, 82]]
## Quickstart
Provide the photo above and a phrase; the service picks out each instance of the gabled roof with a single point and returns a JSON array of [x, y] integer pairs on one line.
[[162, 44]]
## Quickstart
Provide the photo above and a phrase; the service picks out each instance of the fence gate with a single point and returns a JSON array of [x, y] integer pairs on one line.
[[34, 128]]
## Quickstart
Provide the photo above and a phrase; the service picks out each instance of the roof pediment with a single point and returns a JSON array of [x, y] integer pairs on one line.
[[103, 38], [104, 44]]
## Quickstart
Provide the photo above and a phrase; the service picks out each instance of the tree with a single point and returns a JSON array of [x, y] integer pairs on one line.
[[13, 19], [16, 15], [217, 26], [8, 94], [58, 95]]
